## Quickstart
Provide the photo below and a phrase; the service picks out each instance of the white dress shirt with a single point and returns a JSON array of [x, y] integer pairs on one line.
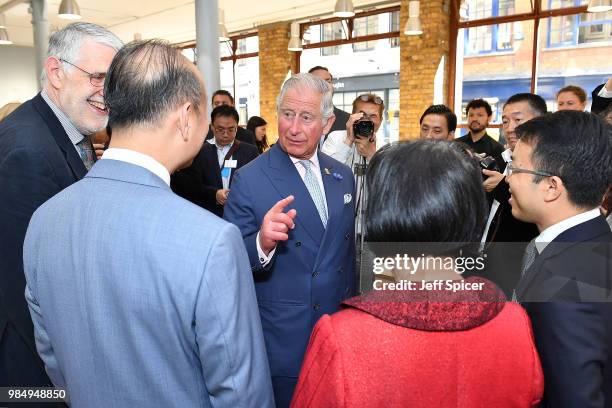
[[138, 159], [552, 232], [314, 166], [507, 156], [604, 93]]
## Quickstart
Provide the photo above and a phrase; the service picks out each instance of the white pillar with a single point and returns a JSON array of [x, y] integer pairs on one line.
[[40, 26], [207, 43]]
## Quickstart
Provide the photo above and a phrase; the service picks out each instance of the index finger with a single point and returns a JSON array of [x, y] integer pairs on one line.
[[280, 205]]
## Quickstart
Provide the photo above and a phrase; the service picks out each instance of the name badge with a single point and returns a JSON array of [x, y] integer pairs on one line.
[[231, 164]]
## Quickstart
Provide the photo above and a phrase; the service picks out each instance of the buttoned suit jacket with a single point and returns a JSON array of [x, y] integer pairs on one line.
[[567, 294], [199, 182], [37, 160], [311, 272], [140, 298]]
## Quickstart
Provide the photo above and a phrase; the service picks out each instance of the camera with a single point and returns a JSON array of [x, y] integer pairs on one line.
[[363, 128], [488, 163]]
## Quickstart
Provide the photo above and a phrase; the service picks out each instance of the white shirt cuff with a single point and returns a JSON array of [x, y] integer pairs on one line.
[[604, 93], [263, 258]]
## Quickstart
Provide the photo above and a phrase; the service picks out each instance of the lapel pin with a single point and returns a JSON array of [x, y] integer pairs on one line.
[[338, 176], [326, 171]]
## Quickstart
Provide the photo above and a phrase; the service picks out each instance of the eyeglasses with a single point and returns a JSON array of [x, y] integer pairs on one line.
[[371, 98], [512, 169], [96, 79], [222, 131]]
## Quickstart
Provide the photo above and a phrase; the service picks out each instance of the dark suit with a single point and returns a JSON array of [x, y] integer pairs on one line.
[[340, 122], [242, 134], [599, 103], [37, 160], [312, 272], [567, 294], [507, 238], [199, 182]]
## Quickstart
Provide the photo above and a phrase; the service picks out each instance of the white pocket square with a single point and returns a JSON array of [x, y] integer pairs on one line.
[[347, 198]]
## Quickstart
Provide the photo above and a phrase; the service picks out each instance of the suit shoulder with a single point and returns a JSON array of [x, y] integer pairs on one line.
[[339, 167]]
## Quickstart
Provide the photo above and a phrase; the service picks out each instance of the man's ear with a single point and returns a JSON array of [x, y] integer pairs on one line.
[[554, 188], [329, 124], [451, 135], [55, 73], [184, 116]]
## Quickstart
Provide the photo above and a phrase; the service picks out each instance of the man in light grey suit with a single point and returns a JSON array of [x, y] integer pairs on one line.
[[140, 298]]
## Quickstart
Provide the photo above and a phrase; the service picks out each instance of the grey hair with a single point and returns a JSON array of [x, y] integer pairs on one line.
[[145, 81], [314, 83], [66, 43]]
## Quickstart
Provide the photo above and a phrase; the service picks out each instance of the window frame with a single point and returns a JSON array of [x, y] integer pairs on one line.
[[494, 34]]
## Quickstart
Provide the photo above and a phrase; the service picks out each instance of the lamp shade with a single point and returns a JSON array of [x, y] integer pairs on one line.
[[413, 25], [69, 10], [599, 6], [4, 37], [344, 9], [295, 42]]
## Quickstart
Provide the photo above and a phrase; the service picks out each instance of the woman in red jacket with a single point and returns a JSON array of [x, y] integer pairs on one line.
[[427, 337]]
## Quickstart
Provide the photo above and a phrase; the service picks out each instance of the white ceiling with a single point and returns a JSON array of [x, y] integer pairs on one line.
[[173, 20]]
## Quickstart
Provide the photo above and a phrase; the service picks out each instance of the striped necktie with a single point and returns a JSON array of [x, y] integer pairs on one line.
[[315, 191]]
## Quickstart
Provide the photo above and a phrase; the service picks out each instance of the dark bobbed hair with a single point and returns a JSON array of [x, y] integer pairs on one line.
[[577, 147], [537, 104], [442, 110], [479, 103], [255, 122], [224, 111], [146, 80], [425, 191], [222, 92], [576, 90]]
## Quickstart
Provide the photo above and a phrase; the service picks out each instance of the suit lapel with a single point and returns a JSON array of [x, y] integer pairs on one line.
[[213, 158], [334, 195], [287, 181], [61, 138], [586, 231]]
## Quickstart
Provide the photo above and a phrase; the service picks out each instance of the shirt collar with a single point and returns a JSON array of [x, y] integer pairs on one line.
[[314, 160], [138, 159], [71, 130], [507, 155], [552, 232]]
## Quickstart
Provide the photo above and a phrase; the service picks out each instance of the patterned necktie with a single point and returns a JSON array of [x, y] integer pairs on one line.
[[530, 255], [315, 191], [87, 152]]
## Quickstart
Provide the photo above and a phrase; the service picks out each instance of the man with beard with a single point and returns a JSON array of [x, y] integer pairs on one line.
[[479, 115], [45, 147]]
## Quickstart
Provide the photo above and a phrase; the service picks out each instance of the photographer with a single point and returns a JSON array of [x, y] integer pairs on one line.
[[354, 147], [357, 144]]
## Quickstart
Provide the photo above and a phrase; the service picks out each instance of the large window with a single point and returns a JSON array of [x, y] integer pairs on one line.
[[489, 38], [239, 72], [554, 44], [363, 55]]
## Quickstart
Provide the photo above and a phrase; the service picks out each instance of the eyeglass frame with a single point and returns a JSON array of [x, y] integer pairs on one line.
[[92, 77], [371, 98], [512, 169], [225, 131]]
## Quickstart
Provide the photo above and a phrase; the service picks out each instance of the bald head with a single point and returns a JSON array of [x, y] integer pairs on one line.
[[148, 79]]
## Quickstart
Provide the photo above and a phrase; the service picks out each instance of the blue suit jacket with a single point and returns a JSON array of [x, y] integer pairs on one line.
[[37, 160], [140, 298], [568, 295], [314, 270]]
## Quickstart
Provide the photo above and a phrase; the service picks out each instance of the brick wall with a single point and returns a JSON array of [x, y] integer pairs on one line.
[[274, 63], [419, 60]]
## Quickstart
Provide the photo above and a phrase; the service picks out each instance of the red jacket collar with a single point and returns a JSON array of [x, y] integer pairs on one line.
[[434, 310]]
